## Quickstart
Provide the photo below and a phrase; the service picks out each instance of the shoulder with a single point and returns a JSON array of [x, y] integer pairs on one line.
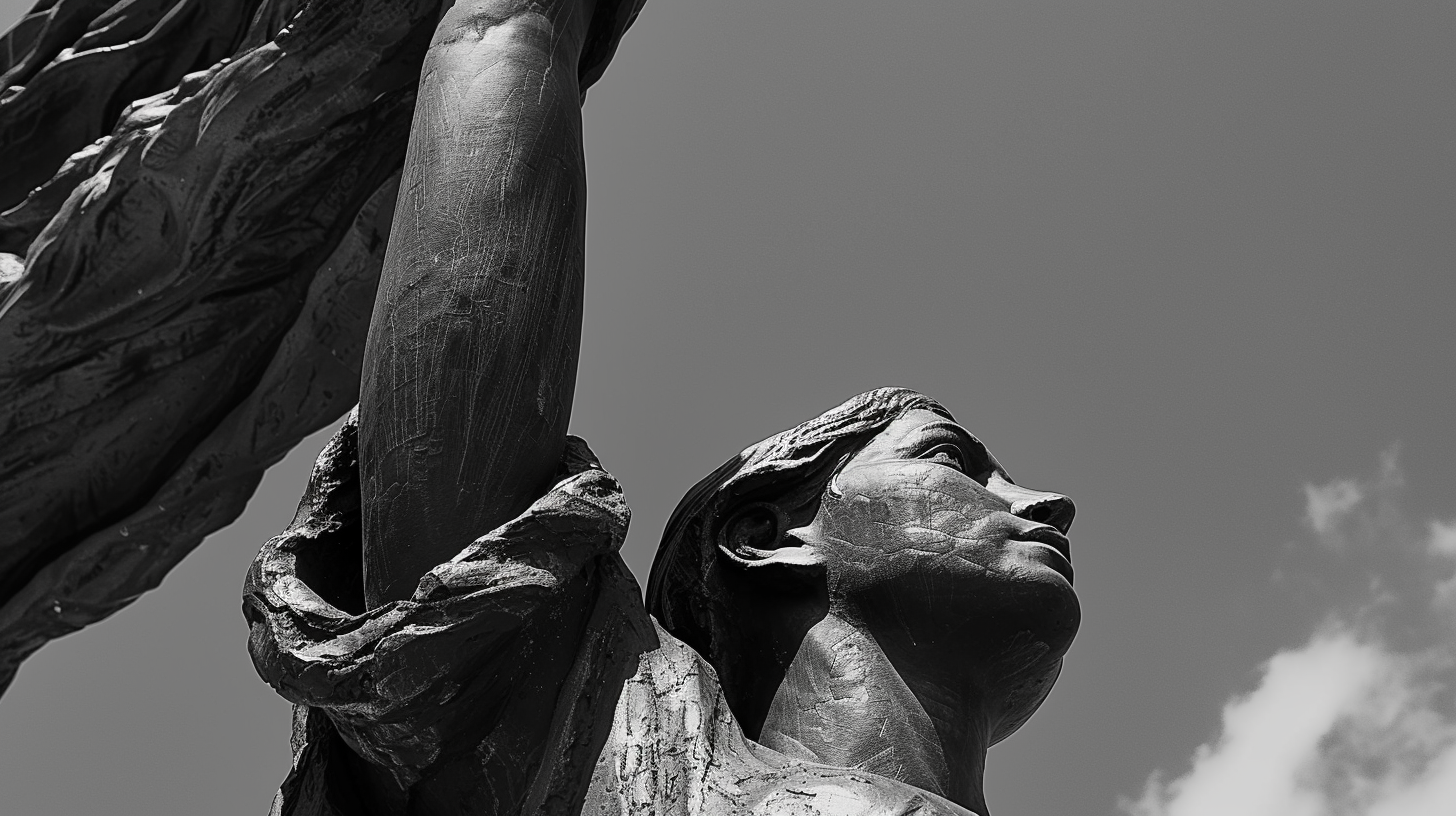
[[810, 790], [675, 747], [400, 681]]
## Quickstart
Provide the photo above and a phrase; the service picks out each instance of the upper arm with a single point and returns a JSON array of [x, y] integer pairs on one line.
[[471, 360]]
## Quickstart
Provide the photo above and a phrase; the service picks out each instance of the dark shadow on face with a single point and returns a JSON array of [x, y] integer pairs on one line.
[[920, 538], [961, 575], [775, 613]]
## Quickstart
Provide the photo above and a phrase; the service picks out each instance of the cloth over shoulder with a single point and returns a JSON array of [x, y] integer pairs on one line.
[[540, 607]]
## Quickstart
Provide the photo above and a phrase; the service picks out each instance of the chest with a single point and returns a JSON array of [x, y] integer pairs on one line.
[[675, 749]]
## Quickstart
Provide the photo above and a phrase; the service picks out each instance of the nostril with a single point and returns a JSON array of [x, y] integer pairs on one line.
[[1054, 511]]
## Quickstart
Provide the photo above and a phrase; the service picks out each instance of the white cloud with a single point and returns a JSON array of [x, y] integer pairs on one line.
[[1339, 727], [1345, 725], [1433, 793], [1326, 505], [1443, 539], [1271, 739], [1442, 545]]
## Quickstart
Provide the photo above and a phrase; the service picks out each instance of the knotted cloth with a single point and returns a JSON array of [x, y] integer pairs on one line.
[[541, 602]]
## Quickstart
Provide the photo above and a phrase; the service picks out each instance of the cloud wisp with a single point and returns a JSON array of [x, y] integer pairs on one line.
[[1359, 720]]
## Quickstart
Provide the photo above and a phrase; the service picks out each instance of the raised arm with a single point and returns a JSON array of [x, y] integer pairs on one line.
[[471, 358]]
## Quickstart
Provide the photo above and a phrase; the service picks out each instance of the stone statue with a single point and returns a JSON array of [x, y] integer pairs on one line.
[[841, 619], [844, 617], [847, 615], [199, 194]]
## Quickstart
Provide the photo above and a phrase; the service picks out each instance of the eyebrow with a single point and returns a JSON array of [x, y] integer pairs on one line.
[[954, 428], [957, 430]]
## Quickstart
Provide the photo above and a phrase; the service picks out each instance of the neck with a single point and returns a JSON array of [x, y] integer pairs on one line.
[[843, 703]]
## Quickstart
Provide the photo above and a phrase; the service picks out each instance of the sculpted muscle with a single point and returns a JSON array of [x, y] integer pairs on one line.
[[471, 358]]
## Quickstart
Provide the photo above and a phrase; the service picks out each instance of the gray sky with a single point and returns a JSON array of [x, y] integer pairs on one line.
[[1188, 263]]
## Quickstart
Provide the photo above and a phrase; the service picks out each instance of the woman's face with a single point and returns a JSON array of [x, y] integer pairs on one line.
[[951, 566]]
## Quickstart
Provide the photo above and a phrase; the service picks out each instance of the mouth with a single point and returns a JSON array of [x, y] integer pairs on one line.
[[1048, 537]]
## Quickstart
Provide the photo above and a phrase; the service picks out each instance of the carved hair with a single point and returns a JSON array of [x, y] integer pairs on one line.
[[791, 469]]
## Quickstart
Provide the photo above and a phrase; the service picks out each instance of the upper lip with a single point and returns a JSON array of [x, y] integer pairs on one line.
[[1044, 534]]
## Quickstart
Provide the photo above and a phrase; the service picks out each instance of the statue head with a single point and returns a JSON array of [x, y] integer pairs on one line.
[[884, 512]]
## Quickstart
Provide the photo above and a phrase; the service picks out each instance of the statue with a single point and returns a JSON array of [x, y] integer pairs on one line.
[[844, 617], [847, 615], [841, 619]]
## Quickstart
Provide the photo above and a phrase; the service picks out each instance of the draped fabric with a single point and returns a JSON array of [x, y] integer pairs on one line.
[[505, 651], [199, 197]]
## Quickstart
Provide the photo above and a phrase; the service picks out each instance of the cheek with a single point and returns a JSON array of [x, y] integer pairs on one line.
[[913, 530], [912, 507]]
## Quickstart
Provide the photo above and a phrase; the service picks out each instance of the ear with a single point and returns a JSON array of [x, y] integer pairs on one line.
[[758, 535]]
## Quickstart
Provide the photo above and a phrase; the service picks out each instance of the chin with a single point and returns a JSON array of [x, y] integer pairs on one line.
[[1041, 596], [1029, 626], [1035, 632], [998, 627], [1021, 697]]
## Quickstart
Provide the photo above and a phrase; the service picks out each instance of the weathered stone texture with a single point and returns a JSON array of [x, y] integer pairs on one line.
[[195, 197], [186, 297]]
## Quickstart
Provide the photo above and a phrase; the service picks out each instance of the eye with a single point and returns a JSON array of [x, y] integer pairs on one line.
[[946, 454], [753, 527]]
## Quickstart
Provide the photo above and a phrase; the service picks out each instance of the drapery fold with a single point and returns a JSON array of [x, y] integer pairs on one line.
[[506, 660], [202, 195]]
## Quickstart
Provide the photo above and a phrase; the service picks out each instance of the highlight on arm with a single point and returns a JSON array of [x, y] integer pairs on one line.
[[471, 358]]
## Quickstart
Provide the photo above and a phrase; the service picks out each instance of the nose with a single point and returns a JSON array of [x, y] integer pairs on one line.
[[1034, 505]]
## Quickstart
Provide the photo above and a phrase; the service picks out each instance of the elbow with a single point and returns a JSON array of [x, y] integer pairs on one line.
[[515, 30]]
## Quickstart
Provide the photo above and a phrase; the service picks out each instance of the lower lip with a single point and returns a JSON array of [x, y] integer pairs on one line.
[[1049, 548]]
